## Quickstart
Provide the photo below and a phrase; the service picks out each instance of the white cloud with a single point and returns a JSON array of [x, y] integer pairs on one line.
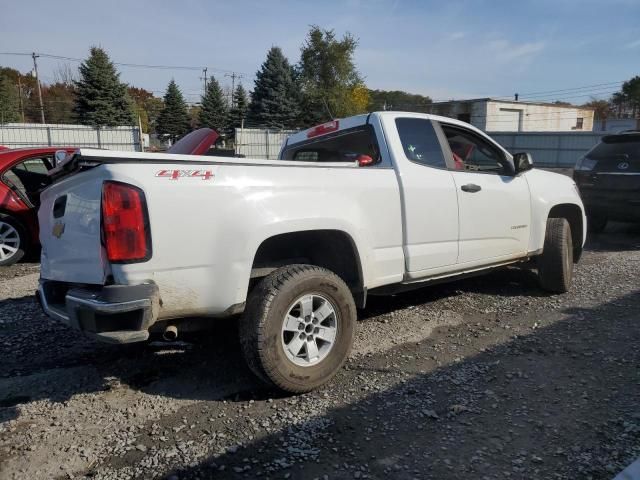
[[507, 51], [634, 44], [456, 36]]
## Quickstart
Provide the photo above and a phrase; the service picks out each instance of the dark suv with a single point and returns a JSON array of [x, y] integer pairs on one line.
[[608, 177]]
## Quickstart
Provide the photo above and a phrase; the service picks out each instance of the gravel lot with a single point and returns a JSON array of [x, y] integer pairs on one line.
[[484, 378]]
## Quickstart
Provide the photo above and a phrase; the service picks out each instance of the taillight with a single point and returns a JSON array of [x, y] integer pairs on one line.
[[585, 164], [125, 225]]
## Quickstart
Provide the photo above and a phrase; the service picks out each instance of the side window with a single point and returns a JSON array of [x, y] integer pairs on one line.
[[37, 165], [343, 146], [474, 154], [30, 177], [420, 142]]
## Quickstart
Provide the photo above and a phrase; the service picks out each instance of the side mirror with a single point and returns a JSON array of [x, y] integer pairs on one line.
[[59, 157], [522, 162]]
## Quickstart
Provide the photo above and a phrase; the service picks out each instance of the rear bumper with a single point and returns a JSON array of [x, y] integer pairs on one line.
[[113, 313], [614, 205], [614, 196]]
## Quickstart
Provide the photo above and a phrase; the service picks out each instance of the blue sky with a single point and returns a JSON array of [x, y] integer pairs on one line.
[[444, 49]]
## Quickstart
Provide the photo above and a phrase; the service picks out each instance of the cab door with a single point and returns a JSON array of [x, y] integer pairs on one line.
[[494, 203], [428, 195]]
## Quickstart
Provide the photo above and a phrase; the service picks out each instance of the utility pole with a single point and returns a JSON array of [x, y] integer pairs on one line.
[[35, 69], [233, 76], [204, 77], [20, 97]]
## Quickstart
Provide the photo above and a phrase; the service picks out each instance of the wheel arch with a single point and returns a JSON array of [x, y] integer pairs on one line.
[[335, 250], [574, 215]]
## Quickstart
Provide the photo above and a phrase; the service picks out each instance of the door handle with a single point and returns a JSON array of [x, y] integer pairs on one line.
[[471, 188]]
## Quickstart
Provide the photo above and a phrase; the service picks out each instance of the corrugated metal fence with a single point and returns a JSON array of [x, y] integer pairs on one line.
[[15, 135], [260, 143], [549, 149]]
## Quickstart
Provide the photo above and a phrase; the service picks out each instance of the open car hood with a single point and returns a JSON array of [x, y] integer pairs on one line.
[[197, 142]]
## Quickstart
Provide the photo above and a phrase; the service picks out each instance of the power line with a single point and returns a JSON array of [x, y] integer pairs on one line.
[[231, 72], [125, 64], [572, 89]]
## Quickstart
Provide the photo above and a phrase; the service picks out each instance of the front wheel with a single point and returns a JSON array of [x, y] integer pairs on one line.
[[555, 265], [12, 241], [297, 328]]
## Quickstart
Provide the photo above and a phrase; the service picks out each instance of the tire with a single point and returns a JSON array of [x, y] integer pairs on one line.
[[13, 240], [555, 265], [275, 304], [596, 223]]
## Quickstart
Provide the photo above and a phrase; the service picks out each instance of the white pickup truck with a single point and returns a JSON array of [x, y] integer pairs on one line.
[[138, 243]]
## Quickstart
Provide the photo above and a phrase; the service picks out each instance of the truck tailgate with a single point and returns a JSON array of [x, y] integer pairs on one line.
[[69, 218]]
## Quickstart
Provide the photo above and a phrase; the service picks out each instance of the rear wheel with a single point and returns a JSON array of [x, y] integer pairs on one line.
[[555, 265], [12, 240], [297, 328], [597, 223]]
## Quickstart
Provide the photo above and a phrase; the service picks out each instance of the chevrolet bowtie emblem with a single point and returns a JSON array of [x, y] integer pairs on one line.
[[58, 230]]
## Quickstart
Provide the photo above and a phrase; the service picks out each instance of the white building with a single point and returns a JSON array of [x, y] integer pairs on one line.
[[492, 115]]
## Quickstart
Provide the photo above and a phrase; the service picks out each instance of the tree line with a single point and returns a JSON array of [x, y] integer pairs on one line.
[[622, 104]]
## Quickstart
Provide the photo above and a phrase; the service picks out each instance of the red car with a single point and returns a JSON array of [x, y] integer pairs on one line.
[[23, 174]]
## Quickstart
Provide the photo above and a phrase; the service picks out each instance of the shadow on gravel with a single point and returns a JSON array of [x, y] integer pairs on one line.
[[561, 402], [505, 282], [57, 363], [43, 359]]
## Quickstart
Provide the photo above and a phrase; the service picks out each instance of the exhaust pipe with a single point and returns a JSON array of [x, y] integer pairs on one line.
[[170, 333]]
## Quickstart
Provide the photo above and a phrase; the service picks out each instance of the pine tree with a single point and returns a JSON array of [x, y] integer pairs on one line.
[[173, 121], [9, 109], [240, 107], [101, 99], [214, 113], [275, 102]]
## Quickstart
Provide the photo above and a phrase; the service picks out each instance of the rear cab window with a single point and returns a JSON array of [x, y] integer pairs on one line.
[[343, 146]]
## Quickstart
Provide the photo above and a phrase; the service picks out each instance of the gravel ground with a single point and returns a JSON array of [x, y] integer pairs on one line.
[[483, 378]]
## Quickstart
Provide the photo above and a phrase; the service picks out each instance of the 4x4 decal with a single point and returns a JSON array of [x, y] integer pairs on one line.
[[176, 174]]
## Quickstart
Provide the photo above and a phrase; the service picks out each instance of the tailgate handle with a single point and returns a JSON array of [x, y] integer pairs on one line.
[[59, 206], [471, 188]]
